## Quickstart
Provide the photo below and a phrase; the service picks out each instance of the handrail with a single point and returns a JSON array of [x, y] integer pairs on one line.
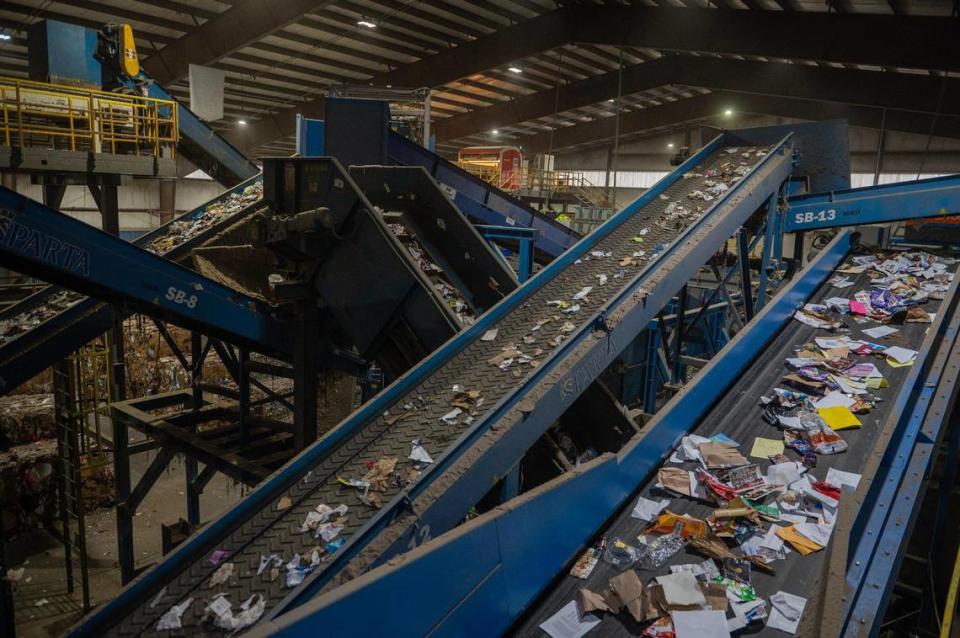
[[37, 114]]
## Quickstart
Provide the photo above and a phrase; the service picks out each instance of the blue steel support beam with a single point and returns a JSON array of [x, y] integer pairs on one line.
[[525, 238], [888, 502], [507, 571], [874, 204], [44, 243], [553, 386]]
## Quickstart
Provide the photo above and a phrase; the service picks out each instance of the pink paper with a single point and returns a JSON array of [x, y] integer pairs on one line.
[[858, 308]]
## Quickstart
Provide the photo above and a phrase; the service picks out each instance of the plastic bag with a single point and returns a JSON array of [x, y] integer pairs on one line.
[[620, 554]]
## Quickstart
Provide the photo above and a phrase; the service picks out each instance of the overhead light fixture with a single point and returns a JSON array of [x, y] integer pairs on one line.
[[366, 22], [728, 112], [5, 36], [610, 100], [495, 132], [241, 122], [514, 69], [670, 145]]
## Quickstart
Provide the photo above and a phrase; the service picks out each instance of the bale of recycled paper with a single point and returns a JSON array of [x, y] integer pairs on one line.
[[28, 492], [26, 418]]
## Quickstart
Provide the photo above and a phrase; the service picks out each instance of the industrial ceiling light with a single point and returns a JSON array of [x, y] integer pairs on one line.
[[241, 122], [728, 112], [495, 132], [670, 145], [366, 22], [5, 36], [514, 69], [610, 100]]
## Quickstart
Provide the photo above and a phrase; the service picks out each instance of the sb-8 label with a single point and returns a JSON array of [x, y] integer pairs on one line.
[[176, 295]]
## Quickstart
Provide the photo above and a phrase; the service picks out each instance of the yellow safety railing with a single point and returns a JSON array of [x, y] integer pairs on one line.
[[54, 116]]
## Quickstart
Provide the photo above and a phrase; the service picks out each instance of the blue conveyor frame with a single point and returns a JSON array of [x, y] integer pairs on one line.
[[507, 571], [32, 352], [747, 196], [44, 243], [881, 204]]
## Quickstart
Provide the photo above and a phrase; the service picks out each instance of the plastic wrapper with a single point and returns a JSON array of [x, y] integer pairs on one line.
[[620, 554], [656, 553]]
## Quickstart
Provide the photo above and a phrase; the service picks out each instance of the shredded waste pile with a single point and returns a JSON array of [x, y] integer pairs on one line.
[[177, 232], [771, 500], [450, 294]]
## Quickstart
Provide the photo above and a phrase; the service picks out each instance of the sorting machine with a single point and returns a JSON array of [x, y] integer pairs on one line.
[[473, 455], [521, 552]]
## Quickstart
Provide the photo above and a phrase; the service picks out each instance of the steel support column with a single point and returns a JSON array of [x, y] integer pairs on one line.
[[743, 255]]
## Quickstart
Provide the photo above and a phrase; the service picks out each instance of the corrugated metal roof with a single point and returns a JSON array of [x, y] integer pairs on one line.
[[303, 59]]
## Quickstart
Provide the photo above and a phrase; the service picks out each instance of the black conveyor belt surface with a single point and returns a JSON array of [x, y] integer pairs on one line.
[[738, 415], [279, 532]]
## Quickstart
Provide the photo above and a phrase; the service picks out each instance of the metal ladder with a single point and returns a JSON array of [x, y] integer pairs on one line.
[[70, 415]]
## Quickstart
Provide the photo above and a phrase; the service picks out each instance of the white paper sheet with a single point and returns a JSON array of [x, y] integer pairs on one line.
[[900, 355], [647, 510], [880, 332], [785, 611], [784, 473], [841, 478], [834, 399], [700, 624], [567, 622], [682, 589]]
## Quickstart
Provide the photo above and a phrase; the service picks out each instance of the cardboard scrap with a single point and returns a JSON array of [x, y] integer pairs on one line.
[[631, 592], [717, 454]]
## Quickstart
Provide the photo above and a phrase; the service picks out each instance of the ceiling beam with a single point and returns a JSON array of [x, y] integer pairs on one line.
[[709, 106], [900, 91], [501, 47], [920, 42], [244, 23]]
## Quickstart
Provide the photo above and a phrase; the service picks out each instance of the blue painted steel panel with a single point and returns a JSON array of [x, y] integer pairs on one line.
[[891, 501], [874, 204], [49, 245], [550, 536], [32, 352], [63, 53], [309, 137]]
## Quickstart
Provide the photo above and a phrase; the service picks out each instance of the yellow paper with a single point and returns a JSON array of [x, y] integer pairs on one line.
[[875, 383], [893, 363], [765, 448], [839, 417], [799, 542]]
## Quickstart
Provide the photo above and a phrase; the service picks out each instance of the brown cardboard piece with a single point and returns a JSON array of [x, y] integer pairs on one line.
[[717, 454], [675, 479], [588, 601], [630, 591]]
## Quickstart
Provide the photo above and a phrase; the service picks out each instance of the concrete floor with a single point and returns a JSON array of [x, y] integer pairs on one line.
[[41, 554]]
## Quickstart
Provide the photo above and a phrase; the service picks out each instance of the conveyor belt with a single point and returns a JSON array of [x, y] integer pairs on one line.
[[738, 415], [368, 436], [60, 321]]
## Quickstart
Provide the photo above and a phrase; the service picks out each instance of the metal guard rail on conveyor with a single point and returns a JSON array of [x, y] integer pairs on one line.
[[254, 526], [35, 350], [47, 244], [508, 572], [481, 202], [204, 146], [881, 204]]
